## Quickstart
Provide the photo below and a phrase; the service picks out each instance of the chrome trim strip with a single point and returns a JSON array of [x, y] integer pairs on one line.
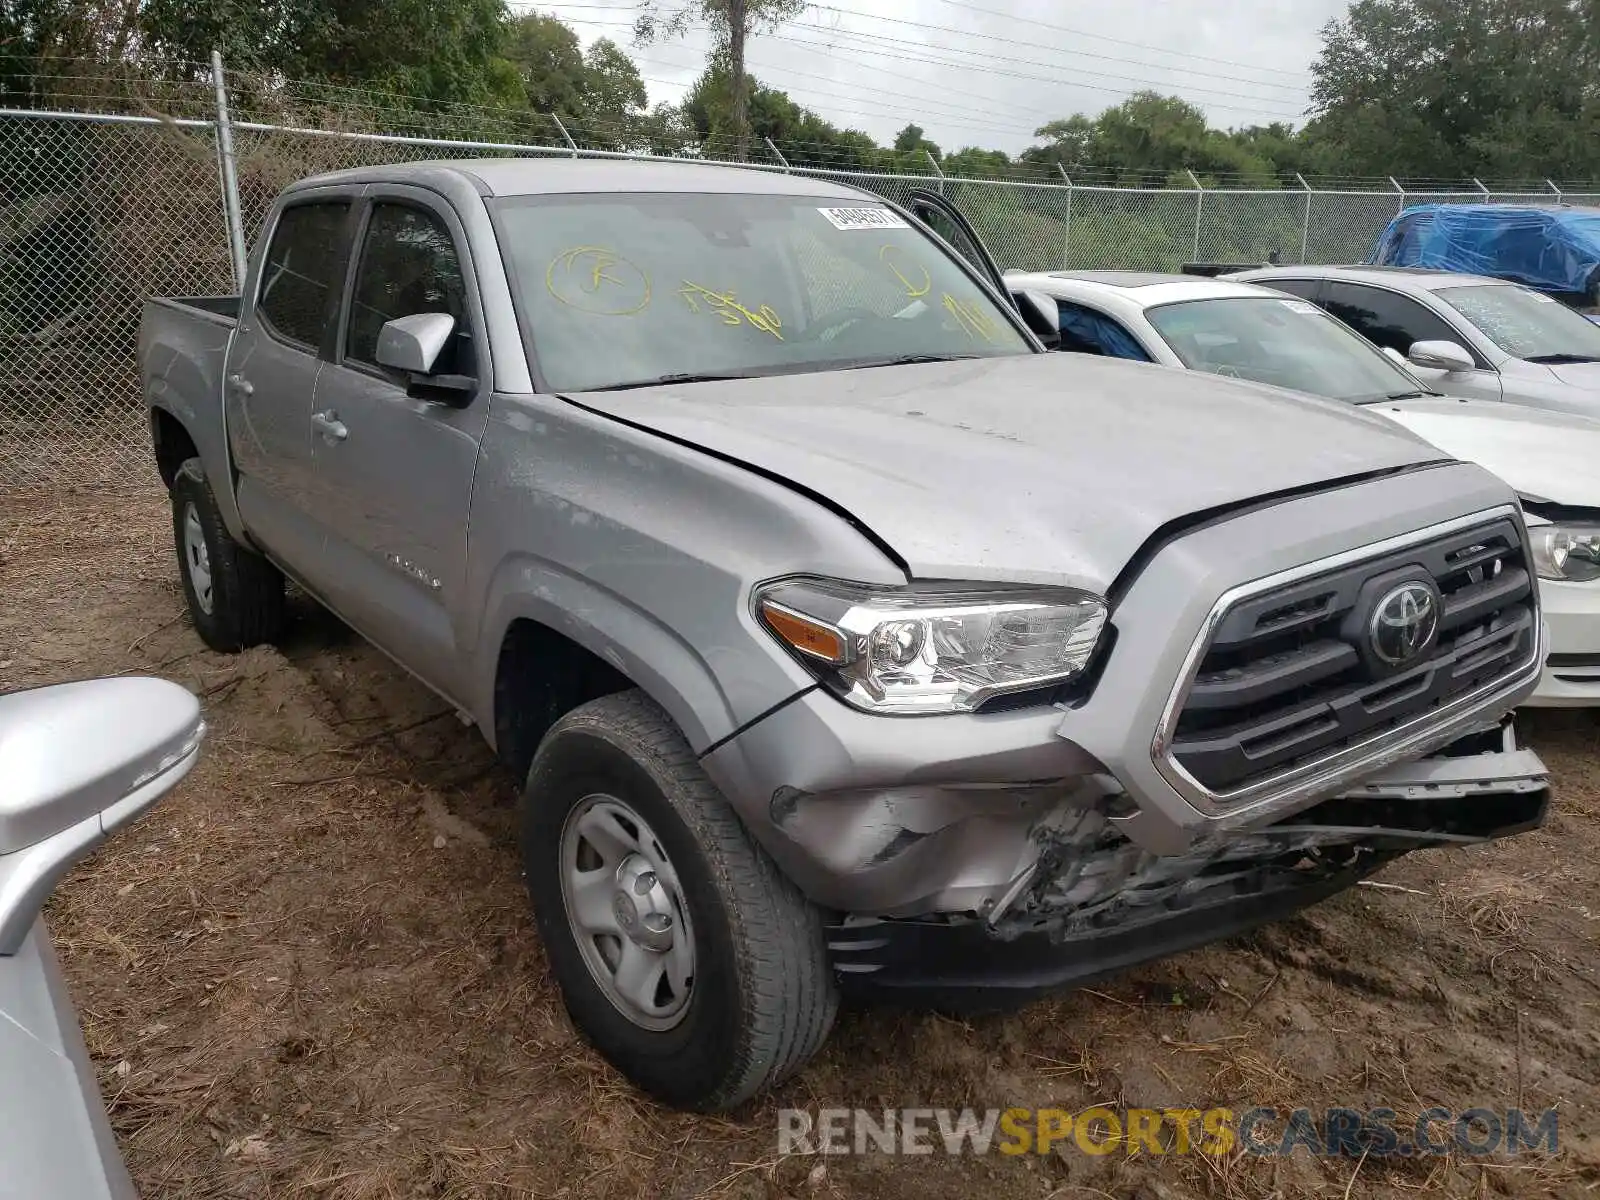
[[1328, 774]]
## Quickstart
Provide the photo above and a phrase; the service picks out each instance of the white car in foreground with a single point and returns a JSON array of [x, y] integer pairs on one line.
[[1256, 333]]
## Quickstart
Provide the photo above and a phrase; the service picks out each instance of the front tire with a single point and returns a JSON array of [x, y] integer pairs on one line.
[[682, 953], [235, 597]]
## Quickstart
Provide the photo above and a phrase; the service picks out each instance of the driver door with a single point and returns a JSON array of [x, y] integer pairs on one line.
[[947, 222]]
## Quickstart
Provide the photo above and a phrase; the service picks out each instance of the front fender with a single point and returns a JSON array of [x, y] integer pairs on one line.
[[653, 656]]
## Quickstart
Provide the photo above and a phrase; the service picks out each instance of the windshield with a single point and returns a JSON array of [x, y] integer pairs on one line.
[[625, 289], [1526, 324], [1286, 342]]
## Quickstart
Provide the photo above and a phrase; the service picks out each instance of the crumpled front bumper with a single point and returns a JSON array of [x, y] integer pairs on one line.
[[904, 817], [893, 819]]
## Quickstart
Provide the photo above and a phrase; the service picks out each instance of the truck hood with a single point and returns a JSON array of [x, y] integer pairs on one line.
[[1543, 455], [1042, 468]]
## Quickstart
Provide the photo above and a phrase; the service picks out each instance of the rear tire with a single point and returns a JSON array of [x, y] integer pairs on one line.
[[235, 597], [753, 998]]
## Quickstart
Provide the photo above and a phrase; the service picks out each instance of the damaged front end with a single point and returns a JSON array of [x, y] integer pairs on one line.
[[1092, 903]]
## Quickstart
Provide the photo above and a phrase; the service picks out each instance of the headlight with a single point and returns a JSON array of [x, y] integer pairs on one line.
[[905, 651], [1567, 552]]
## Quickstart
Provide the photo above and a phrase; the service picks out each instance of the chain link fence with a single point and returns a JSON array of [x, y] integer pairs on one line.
[[99, 212]]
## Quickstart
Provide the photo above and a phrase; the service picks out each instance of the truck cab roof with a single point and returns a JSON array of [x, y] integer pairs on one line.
[[550, 176]]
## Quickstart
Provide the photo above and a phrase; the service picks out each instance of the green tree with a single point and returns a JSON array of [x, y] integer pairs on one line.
[[435, 50], [732, 24], [1149, 139], [976, 163], [809, 140], [548, 60], [1456, 88], [1070, 142]]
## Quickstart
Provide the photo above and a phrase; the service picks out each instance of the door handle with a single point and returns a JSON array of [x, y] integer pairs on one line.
[[241, 385], [332, 428]]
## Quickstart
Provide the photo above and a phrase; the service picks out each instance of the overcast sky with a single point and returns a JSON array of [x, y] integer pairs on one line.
[[995, 70]]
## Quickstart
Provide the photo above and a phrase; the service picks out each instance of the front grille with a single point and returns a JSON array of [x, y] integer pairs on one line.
[[1292, 674]]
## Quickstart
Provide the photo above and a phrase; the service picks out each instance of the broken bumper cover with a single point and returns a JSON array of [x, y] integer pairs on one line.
[[1046, 942], [907, 818]]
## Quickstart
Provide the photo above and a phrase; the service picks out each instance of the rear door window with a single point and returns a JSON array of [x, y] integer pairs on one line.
[[302, 270], [1306, 289]]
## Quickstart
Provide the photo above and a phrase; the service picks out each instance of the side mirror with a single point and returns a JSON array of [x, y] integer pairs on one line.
[[413, 344], [1040, 314], [1439, 356], [77, 762]]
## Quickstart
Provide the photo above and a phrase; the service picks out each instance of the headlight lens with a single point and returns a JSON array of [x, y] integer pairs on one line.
[[1566, 552], [906, 651]]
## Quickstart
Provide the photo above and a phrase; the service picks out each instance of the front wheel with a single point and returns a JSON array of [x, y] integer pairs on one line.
[[682, 953]]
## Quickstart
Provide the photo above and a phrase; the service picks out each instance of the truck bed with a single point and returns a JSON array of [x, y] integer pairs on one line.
[[183, 355], [223, 308]]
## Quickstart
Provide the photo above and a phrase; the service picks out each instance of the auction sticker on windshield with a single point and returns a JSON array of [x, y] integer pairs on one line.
[[1300, 306], [863, 218]]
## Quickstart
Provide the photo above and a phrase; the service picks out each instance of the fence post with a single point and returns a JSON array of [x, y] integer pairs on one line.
[[778, 154], [570, 143], [1402, 192], [1199, 201], [232, 213], [1305, 225], [934, 163], [1066, 237]]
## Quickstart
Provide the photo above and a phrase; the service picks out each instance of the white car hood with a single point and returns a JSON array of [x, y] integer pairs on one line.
[[1543, 455], [1581, 375]]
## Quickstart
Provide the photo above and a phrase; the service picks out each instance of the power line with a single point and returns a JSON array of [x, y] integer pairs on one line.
[[1146, 84], [916, 101], [1258, 105], [1032, 45], [906, 114], [1230, 78], [1100, 37]]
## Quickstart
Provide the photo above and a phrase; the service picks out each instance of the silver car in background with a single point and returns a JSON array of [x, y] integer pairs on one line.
[[1250, 331], [77, 762], [1463, 335]]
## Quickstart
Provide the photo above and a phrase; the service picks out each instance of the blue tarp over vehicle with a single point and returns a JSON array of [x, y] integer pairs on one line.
[[1553, 249]]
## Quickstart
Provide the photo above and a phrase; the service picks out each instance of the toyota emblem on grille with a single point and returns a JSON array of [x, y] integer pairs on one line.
[[1404, 622]]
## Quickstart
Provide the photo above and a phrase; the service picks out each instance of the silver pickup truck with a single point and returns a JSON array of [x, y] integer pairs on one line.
[[845, 642]]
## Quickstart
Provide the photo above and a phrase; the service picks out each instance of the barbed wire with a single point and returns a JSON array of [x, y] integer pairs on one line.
[[258, 97]]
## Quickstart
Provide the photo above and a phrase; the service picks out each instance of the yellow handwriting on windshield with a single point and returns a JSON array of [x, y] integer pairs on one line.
[[974, 322], [916, 290], [598, 280], [726, 305]]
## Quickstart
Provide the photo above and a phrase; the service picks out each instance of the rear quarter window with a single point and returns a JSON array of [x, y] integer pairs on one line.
[[302, 270]]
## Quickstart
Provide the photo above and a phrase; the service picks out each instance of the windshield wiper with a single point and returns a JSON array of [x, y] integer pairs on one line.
[[1556, 360], [906, 360], [678, 377], [1411, 395]]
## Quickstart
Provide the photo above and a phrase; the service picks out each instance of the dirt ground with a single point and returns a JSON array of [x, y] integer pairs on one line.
[[312, 970]]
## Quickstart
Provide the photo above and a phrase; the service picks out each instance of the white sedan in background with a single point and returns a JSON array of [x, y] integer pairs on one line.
[[1256, 333]]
